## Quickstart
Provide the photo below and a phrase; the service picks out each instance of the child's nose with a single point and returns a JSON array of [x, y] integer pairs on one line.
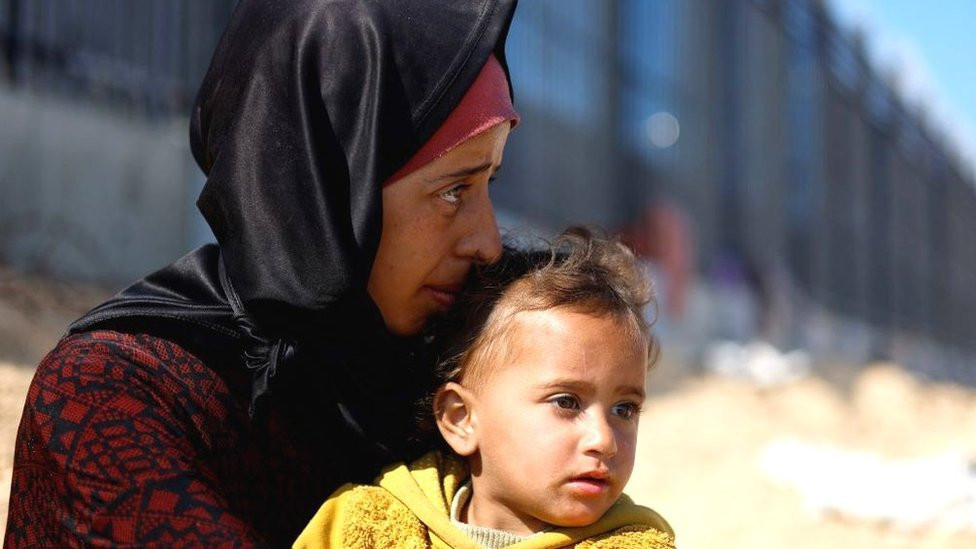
[[600, 438]]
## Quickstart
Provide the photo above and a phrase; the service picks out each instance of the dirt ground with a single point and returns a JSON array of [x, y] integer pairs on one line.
[[701, 436], [699, 448]]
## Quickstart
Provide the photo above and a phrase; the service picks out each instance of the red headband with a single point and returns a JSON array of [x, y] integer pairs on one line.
[[486, 104]]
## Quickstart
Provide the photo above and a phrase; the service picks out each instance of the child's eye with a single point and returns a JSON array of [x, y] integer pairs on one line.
[[626, 410], [566, 402], [452, 195]]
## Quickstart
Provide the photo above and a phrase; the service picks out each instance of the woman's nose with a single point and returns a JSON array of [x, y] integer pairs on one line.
[[482, 242]]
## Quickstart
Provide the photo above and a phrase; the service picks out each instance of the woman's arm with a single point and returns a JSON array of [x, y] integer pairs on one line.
[[110, 450]]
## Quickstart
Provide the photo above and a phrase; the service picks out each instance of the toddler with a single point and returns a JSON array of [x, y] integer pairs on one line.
[[540, 405]]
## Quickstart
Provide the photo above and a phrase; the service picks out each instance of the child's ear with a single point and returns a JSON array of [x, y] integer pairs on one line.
[[455, 417]]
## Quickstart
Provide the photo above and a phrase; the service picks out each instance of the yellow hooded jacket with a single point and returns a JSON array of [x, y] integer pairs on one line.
[[410, 509]]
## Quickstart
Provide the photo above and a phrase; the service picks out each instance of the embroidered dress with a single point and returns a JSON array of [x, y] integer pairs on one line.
[[221, 399]]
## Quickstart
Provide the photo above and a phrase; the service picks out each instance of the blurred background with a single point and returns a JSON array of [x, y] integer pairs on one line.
[[807, 216]]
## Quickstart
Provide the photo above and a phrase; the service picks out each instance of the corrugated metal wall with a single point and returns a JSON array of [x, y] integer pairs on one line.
[[759, 118], [146, 56]]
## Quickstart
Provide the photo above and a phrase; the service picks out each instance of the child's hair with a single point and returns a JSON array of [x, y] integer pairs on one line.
[[580, 271]]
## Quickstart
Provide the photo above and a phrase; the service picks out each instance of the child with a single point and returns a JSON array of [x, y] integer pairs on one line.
[[541, 403]]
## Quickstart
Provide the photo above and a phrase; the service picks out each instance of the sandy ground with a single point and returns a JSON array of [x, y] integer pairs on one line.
[[701, 436], [698, 456]]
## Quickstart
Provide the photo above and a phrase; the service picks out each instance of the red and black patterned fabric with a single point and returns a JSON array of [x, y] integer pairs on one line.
[[129, 439], [269, 379]]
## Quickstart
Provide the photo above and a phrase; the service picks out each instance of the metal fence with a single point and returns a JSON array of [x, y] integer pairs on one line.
[[146, 56], [793, 150]]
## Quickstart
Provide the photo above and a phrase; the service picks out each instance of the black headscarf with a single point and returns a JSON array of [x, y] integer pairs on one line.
[[307, 108]]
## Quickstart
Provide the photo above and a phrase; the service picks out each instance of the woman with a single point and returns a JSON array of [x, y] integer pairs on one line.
[[348, 148]]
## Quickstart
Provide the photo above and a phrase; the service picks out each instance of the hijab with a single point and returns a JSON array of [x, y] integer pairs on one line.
[[307, 108]]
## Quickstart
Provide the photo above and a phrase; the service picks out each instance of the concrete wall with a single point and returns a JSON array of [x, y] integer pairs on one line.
[[89, 195]]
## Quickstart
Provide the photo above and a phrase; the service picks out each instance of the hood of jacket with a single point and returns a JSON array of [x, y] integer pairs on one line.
[[427, 487]]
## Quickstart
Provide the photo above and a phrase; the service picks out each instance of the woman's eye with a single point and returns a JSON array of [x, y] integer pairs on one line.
[[566, 402], [452, 195], [626, 410]]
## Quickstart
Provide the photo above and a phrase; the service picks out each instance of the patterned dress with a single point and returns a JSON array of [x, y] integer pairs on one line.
[[128, 438]]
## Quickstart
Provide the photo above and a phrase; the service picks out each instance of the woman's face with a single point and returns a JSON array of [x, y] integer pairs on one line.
[[437, 222]]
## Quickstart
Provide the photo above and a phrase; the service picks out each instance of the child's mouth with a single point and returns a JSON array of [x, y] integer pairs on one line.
[[590, 484]]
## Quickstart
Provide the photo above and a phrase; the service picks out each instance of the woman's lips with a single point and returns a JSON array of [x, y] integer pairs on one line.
[[444, 295]]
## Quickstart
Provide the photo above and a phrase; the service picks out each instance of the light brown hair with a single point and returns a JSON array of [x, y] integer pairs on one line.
[[580, 271]]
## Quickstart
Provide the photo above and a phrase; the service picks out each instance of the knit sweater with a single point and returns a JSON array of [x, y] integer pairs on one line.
[[410, 508]]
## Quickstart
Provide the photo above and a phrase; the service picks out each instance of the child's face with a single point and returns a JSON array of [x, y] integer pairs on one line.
[[556, 423]]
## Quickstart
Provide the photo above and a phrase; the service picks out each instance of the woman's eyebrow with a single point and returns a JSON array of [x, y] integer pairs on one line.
[[464, 172], [495, 173]]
